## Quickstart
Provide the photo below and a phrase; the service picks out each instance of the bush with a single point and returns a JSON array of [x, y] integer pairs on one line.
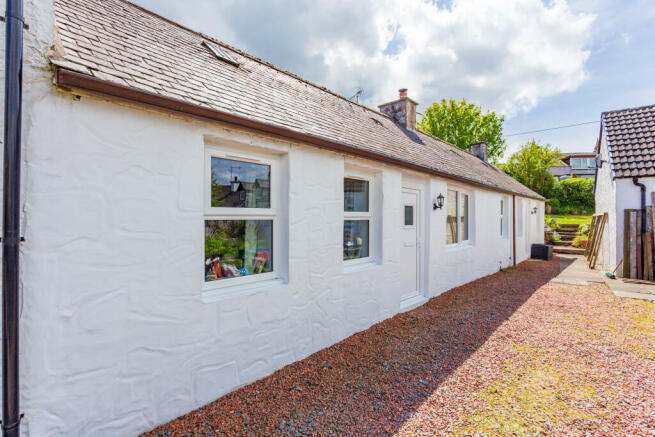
[[552, 224], [580, 242], [583, 229], [573, 194], [554, 202]]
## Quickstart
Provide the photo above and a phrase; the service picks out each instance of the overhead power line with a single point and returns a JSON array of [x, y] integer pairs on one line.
[[551, 128]]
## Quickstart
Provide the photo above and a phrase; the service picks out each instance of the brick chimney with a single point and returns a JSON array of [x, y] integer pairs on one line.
[[481, 151], [402, 111]]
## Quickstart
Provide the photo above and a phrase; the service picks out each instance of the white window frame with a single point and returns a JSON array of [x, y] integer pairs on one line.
[[519, 218], [351, 215], [220, 213], [459, 192]]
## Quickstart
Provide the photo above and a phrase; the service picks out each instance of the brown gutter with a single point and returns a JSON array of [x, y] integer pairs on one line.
[[74, 80], [514, 230]]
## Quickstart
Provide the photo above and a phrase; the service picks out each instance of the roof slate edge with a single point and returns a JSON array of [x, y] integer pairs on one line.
[[70, 79], [252, 57]]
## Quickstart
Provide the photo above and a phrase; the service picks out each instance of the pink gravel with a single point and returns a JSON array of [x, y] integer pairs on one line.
[[426, 372]]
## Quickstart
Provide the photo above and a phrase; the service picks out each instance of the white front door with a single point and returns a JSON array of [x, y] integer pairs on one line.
[[411, 244]]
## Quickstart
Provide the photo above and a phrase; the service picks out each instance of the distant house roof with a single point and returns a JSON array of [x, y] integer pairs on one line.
[[116, 48], [631, 140]]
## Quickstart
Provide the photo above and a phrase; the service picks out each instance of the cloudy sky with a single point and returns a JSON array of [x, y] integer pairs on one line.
[[541, 63]]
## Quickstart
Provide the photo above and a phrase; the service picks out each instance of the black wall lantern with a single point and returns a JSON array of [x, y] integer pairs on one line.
[[437, 202], [534, 210]]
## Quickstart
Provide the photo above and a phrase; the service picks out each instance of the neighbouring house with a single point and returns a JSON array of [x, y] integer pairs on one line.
[[575, 165], [626, 148], [196, 218]]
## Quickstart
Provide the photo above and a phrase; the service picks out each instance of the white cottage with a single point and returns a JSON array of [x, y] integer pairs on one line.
[[196, 218], [625, 177]]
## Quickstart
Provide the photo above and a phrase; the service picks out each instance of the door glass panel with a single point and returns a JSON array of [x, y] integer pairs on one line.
[[409, 215]]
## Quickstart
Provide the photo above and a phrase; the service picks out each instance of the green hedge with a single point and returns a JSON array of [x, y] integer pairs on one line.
[[573, 193]]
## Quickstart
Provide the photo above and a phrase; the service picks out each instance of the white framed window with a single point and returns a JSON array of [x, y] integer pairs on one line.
[[519, 217], [504, 222], [457, 217], [358, 226], [241, 218]]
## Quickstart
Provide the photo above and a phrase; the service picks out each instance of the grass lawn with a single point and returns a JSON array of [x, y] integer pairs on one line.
[[570, 219]]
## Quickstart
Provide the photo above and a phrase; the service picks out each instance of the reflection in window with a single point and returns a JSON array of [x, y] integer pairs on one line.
[[355, 239], [463, 217], [240, 184], [451, 217], [457, 219], [355, 195], [236, 248]]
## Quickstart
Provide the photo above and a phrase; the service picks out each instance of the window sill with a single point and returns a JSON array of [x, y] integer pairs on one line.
[[458, 247], [240, 290], [360, 267]]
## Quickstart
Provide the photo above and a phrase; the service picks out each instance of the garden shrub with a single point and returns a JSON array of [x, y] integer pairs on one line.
[[554, 202], [583, 229], [573, 194], [580, 242]]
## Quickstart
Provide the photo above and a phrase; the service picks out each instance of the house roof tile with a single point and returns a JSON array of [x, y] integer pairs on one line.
[[119, 42], [631, 140]]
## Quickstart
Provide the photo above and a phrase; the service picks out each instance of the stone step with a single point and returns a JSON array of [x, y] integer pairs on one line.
[[568, 250], [563, 243], [567, 227]]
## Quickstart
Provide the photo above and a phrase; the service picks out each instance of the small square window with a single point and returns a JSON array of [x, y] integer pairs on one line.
[[409, 215]]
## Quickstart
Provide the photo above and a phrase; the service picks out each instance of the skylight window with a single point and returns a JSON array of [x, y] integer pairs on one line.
[[220, 53]]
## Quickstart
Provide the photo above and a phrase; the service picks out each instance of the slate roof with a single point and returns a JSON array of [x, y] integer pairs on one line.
[[122, 43], [631, 141]]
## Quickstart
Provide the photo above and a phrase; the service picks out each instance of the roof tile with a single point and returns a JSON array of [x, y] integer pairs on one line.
[[126, 44]]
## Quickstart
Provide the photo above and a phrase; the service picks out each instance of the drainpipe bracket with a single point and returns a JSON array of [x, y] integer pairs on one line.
[[25, 25], [13, 425], [22, 240]]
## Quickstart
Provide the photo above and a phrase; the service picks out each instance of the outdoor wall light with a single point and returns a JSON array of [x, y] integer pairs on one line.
[[534, 210], [437, 202]]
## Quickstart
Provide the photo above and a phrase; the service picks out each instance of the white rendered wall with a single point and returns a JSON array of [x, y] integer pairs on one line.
[[116, 337], [610, 253]]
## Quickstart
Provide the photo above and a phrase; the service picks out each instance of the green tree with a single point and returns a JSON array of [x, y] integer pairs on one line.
[[463, 124], [530, 166]]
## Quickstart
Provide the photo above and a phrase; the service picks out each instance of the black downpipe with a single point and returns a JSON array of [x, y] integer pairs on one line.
[[635, 181], [11, 416]]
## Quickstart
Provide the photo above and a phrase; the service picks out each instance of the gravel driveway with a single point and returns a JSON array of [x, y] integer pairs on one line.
[[507, 354]]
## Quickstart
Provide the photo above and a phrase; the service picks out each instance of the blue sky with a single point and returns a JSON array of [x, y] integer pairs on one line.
[[540, 63]]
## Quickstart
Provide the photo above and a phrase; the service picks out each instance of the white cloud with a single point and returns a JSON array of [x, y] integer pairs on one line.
[[506, 55]]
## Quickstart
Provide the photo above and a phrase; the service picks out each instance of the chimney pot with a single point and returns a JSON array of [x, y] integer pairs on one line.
[[481, 151], [402, 111]]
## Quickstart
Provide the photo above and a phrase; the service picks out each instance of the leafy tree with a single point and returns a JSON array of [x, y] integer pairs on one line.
[[575, 192], [530, 166], [463, 124]]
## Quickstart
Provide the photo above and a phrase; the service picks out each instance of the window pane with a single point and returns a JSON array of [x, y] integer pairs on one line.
[[237, 248], [409, 215], [464, 217], [239, 184], [355, 239], [355, 195], [451, 218]]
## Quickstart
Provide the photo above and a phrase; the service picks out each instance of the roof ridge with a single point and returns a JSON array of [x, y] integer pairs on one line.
[[627, 109], [254, 58]]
